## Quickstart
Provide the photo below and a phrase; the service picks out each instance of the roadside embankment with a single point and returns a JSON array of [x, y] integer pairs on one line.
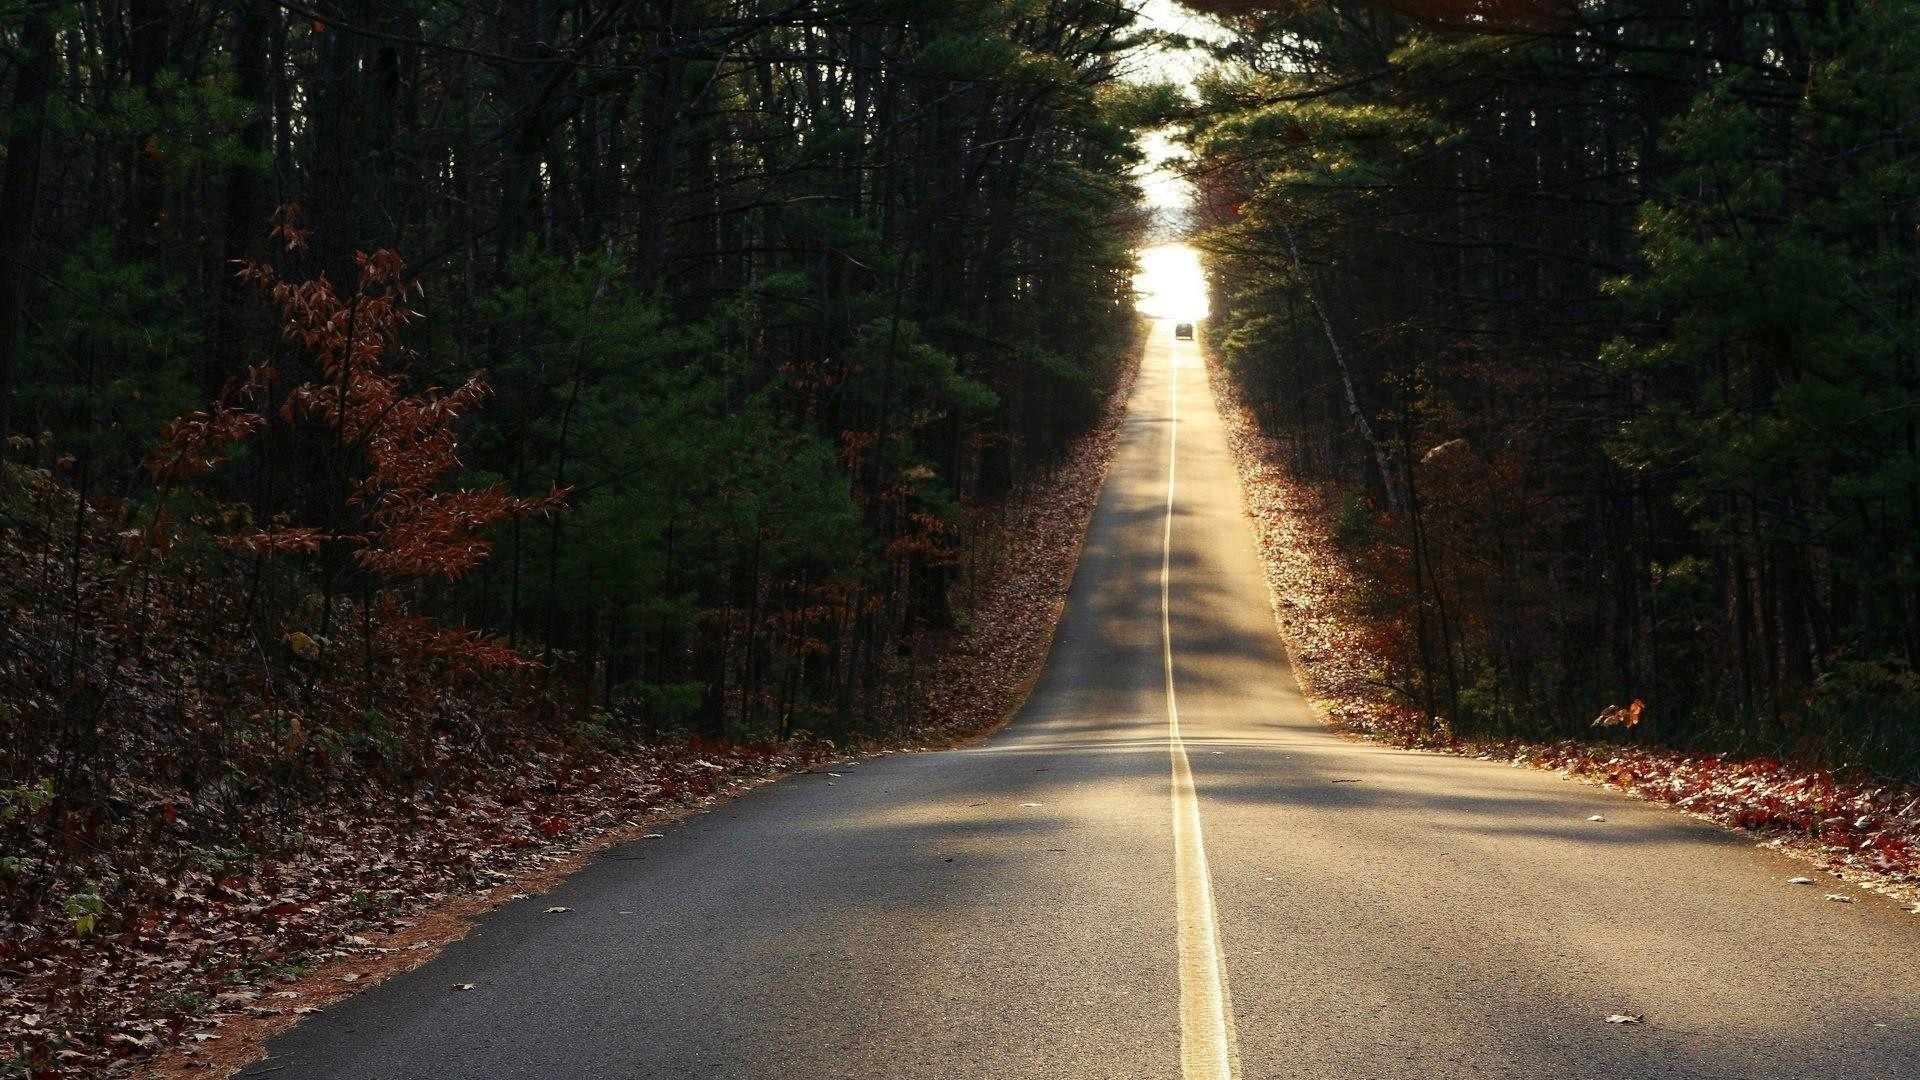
[[1858, 830]]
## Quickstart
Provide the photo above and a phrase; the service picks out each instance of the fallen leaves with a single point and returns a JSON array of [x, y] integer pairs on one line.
[[1021, 553], [201, 945], [1875, 827], [1309, 579], [1871, 828]]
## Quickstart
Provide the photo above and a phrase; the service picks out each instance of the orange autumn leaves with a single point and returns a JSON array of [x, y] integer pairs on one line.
[[393, 448]]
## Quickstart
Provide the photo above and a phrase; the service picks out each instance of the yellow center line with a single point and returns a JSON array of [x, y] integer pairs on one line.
[[1208, 1048]]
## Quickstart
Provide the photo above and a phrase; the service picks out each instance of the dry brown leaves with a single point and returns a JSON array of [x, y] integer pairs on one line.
[[1308, 580], [211, 959], [234, 944], [1013, 595], [1868, 832]]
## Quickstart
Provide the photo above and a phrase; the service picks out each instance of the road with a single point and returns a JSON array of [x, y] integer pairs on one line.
[[1108, 889]]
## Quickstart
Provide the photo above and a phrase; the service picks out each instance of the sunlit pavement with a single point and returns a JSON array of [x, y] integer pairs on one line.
[[1015, 910]]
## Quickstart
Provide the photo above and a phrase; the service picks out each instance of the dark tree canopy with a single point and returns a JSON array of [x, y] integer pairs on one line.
[[1604, 312], [773, 289]]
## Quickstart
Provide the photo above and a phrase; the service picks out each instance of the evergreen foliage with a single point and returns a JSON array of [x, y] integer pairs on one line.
[[774, 293], [1626, 293]]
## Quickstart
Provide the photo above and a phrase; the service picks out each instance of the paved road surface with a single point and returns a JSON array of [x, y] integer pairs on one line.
[[1099, 891]]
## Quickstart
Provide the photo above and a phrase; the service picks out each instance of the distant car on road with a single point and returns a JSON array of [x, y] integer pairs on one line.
[[1183, 331]]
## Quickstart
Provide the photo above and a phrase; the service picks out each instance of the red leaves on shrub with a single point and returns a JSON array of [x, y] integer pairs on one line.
[[462, 651], [287, 541], [403, 522], [193, 442]]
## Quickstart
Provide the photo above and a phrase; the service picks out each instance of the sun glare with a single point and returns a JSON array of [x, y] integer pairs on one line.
[[1170, 283]]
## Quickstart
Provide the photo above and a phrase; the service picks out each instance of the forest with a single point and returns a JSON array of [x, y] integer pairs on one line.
[[733, 307], [434, 433], [1594, 325], [400, 398]]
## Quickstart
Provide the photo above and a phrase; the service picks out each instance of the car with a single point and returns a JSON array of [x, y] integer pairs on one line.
[[1183, 331]]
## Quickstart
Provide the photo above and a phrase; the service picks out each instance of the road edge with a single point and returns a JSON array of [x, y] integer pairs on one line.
[[236, 1041], [1246, 443]]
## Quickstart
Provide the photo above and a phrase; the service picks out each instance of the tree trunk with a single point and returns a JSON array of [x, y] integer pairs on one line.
[[19, 190]]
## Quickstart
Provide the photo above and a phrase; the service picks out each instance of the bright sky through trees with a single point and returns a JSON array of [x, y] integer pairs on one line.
[[1170, 283], [1161, 186]]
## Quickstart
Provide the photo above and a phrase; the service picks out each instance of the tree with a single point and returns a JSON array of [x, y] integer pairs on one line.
[[1625, 311]]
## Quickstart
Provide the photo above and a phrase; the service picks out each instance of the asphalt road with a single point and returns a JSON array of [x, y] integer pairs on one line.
[[1060, 902]]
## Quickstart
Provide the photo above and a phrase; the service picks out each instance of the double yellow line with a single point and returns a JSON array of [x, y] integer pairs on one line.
[[1209, 1049]]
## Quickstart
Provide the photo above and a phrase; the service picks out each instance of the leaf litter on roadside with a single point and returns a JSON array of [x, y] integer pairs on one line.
[[1868, 827], [367, 858], [195, 935], [1019, 565]]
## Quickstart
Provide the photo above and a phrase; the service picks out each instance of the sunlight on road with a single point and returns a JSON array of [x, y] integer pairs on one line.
[[1170, 283]]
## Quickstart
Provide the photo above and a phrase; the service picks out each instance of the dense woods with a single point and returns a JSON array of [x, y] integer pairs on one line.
[[394, 391], [769, 292], [1595, 324], [428, 429]]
